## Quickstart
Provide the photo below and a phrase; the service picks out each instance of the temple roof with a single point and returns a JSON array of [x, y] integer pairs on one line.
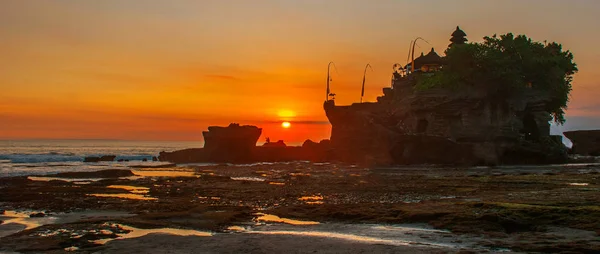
[[458, 33], [431, 58]]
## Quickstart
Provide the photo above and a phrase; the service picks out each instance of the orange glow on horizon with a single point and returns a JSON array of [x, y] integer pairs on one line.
[[170, 72]]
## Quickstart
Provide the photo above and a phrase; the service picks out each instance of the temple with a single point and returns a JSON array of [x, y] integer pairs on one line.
[[442, 126]]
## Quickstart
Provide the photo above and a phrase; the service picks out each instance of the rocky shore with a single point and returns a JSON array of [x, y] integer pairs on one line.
[[529, 209]]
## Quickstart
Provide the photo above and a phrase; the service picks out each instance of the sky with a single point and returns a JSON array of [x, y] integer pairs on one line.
[[165, 70]]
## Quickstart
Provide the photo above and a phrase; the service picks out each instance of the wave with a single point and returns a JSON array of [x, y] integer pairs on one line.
[[62, 157]]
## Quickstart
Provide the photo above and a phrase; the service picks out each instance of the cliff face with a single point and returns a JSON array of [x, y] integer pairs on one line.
[[443, 126], [585, 142]]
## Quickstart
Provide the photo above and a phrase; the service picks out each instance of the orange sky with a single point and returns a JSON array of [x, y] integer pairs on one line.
[[165, 70]]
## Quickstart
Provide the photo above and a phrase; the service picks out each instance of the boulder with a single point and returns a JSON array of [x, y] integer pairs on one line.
[[37, 215]]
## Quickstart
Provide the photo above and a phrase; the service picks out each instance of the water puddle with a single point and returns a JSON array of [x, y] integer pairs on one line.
[[395, 235], [276, 183], [132, 189], [135, 193], [236, 229], [248, 178], [299, 174], [579, 184], [262, 217], [312, 200], [164, 173], [15, 222], [122, 196], [138, 232], [71, 180], [350, 237]]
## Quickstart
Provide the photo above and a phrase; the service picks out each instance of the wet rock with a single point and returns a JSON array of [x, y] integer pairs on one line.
[[37, 215], [120, 160], [144, 159], [154, 158]]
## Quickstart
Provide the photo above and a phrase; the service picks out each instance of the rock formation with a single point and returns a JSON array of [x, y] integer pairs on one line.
[[233, 143], [237, 144], [442, 125], [585, 142]]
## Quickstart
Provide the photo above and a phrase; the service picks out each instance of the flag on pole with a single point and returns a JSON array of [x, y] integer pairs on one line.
[[362, 92]]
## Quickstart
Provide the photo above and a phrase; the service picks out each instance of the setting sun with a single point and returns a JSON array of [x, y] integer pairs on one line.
[[286, 125]]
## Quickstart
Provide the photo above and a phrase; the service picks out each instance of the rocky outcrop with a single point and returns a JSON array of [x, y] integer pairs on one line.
[[101, 158], [237, 144], [191, 155], [473, 128], [585, 142], [233, 143]]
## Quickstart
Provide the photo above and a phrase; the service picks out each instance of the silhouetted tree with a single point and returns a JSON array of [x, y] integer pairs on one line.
[[505, 65]]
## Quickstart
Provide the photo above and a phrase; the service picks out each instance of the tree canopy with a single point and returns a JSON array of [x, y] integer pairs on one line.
[[506, 65]]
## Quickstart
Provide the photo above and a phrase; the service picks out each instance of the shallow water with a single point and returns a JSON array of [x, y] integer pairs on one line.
[[123, 196], [248, 178], [132, 189], [138, 232], [262, 217], [15, 221], [164, 173], [396, 235]]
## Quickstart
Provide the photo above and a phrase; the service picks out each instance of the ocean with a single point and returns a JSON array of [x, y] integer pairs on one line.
[[41, 157]]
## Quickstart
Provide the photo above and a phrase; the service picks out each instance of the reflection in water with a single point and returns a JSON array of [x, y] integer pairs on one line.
[[350, 237], [276, 183], [136, 193], [132, 189], [273, 218], [236, 228], [138, 232], [248, 178], [25, 220], [72, 180], [164, 173], [579, 184], [312, 200], [300, 174], [123, 195]]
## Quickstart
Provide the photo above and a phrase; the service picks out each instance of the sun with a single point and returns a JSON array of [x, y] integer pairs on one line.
[[286, 125]]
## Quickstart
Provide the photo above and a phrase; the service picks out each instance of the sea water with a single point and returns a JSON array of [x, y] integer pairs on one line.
[[41, 157]]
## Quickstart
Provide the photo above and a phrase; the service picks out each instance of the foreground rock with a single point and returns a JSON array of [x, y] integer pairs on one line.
[[585, 142], [530, 209]]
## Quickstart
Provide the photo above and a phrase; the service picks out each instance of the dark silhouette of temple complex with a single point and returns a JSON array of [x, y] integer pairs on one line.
[[407, 125]]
